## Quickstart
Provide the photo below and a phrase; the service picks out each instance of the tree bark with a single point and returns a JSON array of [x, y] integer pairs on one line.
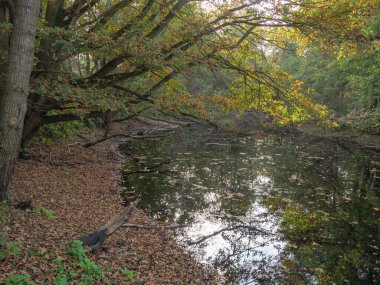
[[14, 91]]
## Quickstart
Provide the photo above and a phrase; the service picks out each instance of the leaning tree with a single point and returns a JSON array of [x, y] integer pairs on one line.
[[100, 56]]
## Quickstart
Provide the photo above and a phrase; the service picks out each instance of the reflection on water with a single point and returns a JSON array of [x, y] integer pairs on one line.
[[273, 210]]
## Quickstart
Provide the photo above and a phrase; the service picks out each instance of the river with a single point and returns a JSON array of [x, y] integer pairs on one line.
[[273, 209]]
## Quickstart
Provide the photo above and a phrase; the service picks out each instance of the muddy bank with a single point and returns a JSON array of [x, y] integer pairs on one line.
[[342, 136], [70, 191]]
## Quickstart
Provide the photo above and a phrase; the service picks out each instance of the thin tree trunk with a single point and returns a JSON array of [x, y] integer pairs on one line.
[[88, 65], [14, 91], [48, 51], [6, 16]]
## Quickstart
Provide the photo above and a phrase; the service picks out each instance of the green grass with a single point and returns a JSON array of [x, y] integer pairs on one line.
[[49, 214]]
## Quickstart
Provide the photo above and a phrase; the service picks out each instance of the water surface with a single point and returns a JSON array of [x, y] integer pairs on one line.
[[269, 210]]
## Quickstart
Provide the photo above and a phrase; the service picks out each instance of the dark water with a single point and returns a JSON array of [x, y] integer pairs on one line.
[[271, 210]]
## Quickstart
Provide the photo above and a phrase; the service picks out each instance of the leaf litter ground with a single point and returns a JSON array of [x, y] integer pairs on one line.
[[73, 191]]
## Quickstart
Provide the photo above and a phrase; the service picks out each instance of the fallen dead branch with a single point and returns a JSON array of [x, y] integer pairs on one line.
[[88, 144], [131, 116], [182, 123], [97, 238]]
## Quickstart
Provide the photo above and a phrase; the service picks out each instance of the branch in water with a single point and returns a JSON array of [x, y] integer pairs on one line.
[[230, 229]]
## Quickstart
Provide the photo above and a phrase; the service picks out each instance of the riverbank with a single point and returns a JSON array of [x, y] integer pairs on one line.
[[63, 192], [342, 136]]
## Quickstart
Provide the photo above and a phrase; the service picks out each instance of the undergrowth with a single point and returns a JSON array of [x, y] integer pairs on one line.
[[367, 121], [49, 214], [75, 266], [8, 248], [48, 134]]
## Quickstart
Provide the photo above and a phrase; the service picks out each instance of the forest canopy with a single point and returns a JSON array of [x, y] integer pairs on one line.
[[105, 56]]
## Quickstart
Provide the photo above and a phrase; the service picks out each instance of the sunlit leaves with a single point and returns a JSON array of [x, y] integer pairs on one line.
[[338, 23], [149, 40]]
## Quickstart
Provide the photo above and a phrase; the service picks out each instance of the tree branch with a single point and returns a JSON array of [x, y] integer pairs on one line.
[[69, 117], [80, 7]]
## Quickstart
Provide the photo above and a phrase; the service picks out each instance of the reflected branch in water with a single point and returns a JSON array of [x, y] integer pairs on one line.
[[231, 228]]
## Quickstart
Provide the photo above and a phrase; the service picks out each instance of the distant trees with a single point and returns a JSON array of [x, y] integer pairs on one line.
[[347, 83], [106, 55]]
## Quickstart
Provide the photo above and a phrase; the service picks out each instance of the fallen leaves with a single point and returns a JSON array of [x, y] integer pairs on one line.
[[81, 188]]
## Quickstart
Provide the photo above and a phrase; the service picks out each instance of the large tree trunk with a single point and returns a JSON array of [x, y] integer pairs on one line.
[[38, 106], [14, 90]]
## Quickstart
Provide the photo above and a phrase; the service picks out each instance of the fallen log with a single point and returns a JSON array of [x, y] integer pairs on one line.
[[97, 238], [92, 143], [182, 123]]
